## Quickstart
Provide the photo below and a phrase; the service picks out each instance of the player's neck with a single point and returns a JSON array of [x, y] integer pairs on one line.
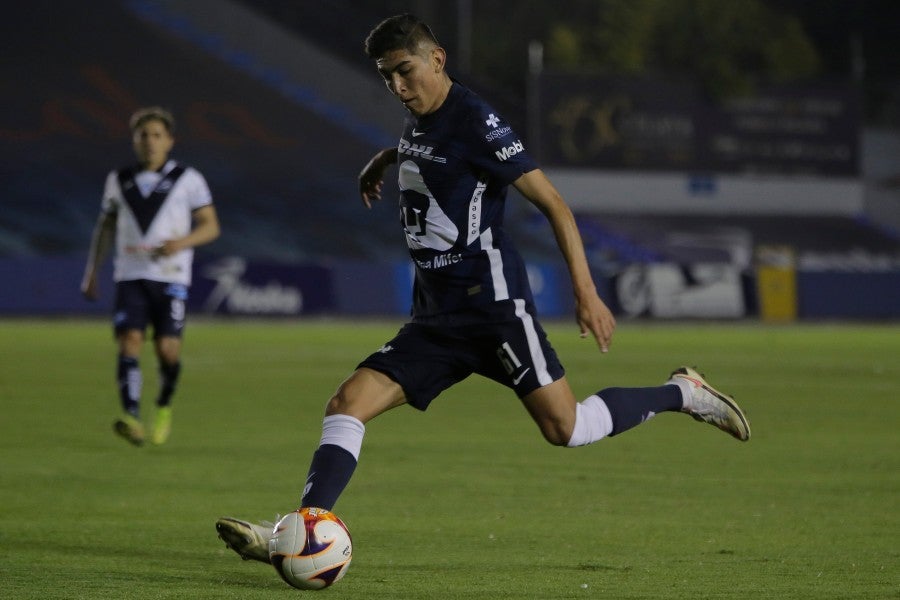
[[154, 165], [444, 91]]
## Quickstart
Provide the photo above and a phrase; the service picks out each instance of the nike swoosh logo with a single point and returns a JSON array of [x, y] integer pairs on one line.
[[521, 375], [417, 133], [308, 485]]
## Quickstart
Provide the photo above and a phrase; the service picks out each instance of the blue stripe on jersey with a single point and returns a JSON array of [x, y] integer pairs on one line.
[[146, 209]]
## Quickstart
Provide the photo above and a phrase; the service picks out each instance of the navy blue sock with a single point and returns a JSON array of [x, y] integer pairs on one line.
[[128, 376], [168, 378], [329, 474], [630, 407]]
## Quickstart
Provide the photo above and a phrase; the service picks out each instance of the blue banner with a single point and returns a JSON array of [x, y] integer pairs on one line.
[[235, 286]]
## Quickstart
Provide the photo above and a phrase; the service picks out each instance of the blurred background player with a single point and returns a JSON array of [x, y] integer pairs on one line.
[[157, 211], [473, 310]]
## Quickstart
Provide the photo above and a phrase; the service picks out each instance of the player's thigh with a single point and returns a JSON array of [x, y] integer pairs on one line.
[[365, 395], [424, 361], [131, 311], [552, 407], [516, 353], [167, 308]]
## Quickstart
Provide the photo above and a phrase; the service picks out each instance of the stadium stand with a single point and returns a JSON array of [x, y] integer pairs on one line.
[[281, 155], [280, 110]]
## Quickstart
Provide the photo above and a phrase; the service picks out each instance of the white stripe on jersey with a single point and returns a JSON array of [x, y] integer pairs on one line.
[[475, 210], [501, 291], [534, 346]]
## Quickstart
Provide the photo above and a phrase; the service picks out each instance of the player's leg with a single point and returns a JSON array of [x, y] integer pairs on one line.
[[553, 408], [414, 367], [128, 370], [130, 383], [517, 354], [525, 361], [363, 396], [168, 352], [614, 410], [129, 324], [565, 422], [168, 323]]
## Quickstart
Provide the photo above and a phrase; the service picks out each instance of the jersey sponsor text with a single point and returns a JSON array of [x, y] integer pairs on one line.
[[441, 260], [420, 151], [497, 134], [505, 153]]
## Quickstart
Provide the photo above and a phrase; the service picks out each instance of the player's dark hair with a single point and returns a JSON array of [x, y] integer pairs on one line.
[[152, 113], [400, 32]]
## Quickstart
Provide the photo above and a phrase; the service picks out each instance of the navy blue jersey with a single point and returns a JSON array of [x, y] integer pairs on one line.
[[455, 166]]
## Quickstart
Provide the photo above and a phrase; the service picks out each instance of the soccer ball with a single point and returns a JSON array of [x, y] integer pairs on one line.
[[310, 548]]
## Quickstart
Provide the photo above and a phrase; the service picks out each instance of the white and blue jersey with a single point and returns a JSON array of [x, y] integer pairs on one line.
[[152, 207], [455, 166]]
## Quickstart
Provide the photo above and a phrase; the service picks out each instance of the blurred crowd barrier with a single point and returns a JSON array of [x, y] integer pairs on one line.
[[774, 287]]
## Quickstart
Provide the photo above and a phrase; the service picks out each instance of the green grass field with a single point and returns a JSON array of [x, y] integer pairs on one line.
[[466, 500]]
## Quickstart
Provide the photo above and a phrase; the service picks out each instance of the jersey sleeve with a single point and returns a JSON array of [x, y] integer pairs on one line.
[[109, 204], [199, 195], [495, 147]]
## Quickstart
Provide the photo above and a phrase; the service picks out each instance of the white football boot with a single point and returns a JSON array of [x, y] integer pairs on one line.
[[249, 540], [710, 405]]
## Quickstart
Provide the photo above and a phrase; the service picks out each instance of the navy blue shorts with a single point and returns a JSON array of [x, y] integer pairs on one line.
[[425, 359], [141, 302]]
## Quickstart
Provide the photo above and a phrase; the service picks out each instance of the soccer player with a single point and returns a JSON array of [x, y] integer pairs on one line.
[[157, 211], [472, 306]]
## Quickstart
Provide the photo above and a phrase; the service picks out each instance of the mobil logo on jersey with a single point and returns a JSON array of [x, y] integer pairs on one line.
[[511, 150]]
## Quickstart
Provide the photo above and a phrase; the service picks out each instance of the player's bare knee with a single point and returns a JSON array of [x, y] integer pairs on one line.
[[168, 349], [168, 353], [365, 395], [556, 433], [334, 405], [341, 403], [130, 342]]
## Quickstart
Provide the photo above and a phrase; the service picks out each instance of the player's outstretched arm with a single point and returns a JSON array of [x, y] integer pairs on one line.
[[592, 314], [371, 178], [101, 240]]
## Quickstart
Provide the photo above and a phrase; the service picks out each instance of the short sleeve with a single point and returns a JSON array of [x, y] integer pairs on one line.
[[109, 204], [495, 146], [200, 195]]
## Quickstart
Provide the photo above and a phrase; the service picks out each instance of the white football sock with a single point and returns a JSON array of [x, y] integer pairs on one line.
[[343, 431], [687, 391], [592, 422]]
